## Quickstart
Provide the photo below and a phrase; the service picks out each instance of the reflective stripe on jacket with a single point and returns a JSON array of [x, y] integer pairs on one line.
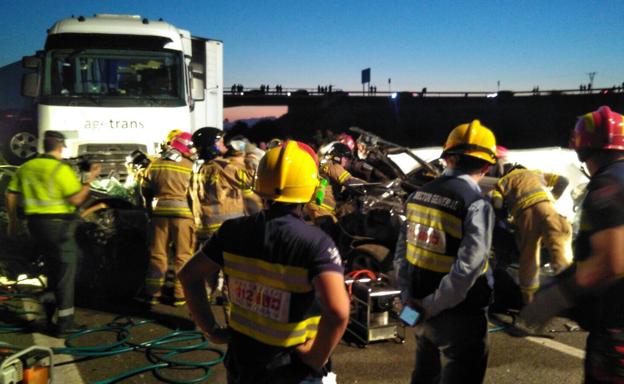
[[263, 295], [45, 183], [520, 189], [222, 185], [337, 177], [434, 232], [170, 182]]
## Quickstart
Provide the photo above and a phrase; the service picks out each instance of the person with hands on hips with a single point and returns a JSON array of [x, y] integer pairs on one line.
[[594, 284], [289, 305], [441, 260]]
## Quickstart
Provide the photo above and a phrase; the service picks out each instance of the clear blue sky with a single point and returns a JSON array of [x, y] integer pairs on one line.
[[443, 45]]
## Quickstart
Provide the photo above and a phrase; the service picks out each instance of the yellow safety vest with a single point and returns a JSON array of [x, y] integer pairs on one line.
[[45, 183], [261, 294]]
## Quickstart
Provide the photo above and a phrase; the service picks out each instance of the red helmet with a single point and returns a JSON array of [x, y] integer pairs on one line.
[[601, 129], [346, 140], [183, 142], [501, 152]]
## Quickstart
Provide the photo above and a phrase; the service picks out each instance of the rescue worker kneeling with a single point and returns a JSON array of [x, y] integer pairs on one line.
[[289, 306], [442, 262]]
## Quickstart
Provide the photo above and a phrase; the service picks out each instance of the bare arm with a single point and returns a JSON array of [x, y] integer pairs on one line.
[[330, 288], [606, 262], [11, 203], [193, 278]]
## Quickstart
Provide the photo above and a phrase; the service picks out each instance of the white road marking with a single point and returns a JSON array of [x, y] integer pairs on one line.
[[557, 346], [66, 373]]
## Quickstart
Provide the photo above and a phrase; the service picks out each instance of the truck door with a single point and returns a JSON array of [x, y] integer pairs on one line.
[[207, 83]]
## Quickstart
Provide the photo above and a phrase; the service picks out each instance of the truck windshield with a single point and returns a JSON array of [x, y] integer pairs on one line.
[[105, 77]]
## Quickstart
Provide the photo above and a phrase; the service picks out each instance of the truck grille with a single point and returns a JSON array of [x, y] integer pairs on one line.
[[112, 157]]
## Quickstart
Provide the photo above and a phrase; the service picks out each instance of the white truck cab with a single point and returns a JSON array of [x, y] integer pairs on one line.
[[116, 83]]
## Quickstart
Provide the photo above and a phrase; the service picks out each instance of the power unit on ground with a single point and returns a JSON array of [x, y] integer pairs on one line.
[[374, 311]]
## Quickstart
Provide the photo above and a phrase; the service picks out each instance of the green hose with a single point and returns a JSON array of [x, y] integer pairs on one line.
[[161, 351], [153, 348]]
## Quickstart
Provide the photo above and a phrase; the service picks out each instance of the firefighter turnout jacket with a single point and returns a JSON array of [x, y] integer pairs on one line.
[[522, 188], [323, 201], [253, 201], [527, 197], [222, 184], [169, 183]]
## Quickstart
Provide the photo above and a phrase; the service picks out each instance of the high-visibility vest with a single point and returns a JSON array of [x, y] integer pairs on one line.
[[435, 216], [45, 183], [272, 298], [262, 294]]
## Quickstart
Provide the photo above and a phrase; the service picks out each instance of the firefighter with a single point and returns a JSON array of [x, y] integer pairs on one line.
[[167, 189], [223, 180], [369, 162], [289, 303], [333, 177], [527, 196], [441, 260], [347, 140], [51, 191], [253, 202], [595, 282]]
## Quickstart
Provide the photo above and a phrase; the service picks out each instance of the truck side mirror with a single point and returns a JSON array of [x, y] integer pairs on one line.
[[31, 62], [30, 84], [198, 84]]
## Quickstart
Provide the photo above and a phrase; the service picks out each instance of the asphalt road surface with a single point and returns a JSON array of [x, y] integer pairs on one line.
[[555, 357]]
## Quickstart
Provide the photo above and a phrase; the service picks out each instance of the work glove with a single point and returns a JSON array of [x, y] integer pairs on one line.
[[547, 304]]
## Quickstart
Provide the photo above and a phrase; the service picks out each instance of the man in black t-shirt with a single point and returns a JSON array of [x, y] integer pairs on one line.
[[595, 283], [289, 307]]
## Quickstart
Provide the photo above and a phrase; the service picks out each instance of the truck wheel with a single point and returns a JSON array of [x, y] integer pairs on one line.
[[20, 142]]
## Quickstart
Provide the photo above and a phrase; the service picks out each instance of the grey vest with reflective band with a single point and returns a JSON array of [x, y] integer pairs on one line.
[[434, 231]]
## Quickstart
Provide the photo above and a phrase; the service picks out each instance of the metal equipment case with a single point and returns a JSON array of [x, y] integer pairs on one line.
[[374, 311]]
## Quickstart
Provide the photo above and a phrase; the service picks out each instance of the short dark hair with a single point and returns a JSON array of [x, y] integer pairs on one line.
[[51, 144], [52, 140], [470, 164]]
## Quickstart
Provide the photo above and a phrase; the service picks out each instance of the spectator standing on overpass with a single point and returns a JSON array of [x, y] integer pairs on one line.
[[441, 260], [289, 306], [51, 191], [595, 282]]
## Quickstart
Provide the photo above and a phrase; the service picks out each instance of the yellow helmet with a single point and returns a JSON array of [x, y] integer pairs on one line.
[[173, 133], [288, 173], [471, 139], [274, 142]]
